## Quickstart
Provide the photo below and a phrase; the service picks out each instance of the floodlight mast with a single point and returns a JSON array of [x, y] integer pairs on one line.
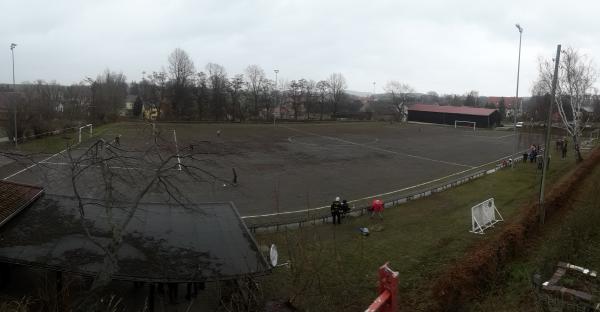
[[516, 103], [276, 96], [12, 51]]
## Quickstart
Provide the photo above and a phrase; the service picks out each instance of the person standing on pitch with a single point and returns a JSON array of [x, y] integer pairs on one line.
[[345, 208], [336, 210], [377, 208]]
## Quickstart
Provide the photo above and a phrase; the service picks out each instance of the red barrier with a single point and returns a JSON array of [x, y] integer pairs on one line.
[[387, 301]]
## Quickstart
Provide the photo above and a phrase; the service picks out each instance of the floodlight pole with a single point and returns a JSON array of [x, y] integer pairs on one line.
[[514, 108], [12, 51], [276, 96], [547, 141]]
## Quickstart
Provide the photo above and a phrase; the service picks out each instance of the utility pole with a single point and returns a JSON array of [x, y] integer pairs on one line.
[[514, 106], [276, 96], [12, 51], [547, 141]]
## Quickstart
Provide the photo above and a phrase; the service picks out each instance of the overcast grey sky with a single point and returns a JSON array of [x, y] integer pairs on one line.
[[444, 46]]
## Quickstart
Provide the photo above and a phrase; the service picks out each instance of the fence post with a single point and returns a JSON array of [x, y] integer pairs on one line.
[[387, 301]]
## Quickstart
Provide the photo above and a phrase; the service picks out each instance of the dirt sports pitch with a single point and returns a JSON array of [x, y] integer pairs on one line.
[[295, 166]]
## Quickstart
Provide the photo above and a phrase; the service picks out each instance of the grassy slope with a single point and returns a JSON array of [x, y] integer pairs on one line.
[[55, 143], [335, 266], [573, 237]]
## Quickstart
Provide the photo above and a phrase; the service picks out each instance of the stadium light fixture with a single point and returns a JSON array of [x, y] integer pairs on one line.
[[12, 51]]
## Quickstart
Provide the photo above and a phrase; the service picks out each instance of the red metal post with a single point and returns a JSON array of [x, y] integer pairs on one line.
[[387, 301]]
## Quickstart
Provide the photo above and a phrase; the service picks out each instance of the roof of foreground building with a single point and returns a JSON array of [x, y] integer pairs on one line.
[[162, 242]]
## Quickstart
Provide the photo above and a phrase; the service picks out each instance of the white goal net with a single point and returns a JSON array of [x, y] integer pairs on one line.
[[463, 123], [484, 215], [89, 128]]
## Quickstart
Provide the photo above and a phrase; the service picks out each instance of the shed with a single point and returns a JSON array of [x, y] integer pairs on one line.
[[483, 117]]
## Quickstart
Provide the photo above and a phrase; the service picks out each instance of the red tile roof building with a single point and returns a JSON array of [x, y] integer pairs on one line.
[[483, 117]]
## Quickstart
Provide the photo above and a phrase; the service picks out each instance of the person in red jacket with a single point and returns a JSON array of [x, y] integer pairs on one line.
[[377, 208]]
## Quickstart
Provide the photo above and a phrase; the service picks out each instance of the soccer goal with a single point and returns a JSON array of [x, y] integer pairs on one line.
[[177, 150], [85, 128], [483, 216], [464, 123]]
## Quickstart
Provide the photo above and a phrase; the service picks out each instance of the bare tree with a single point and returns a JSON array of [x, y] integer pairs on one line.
[[472, 98], [157, 91], [217, 80], [109, 91], [433, 97], [181, 72], [294, 92], [400, 94], [235, 91], [323, 89], [266, 95], [337, 87], [255, 77], [202, 94], [574, 90], [77, 100], [181, 66], [309, 87]]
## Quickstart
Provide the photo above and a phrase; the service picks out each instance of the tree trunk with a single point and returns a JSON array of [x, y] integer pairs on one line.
[[321, 117], [577, 149], [256, 106]]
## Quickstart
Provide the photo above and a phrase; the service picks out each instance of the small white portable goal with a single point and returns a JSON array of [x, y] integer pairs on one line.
[[81, 129], [464, 123], [484, 215]]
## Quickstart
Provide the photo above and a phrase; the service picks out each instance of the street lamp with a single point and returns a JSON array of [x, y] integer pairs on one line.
[[276, 96], [12, 51], [514, 108]]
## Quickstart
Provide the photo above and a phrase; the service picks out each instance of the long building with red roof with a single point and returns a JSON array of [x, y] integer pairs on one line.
[[483, 117]]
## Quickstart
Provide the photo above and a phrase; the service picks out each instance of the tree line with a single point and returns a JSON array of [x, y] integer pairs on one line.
[[179, 92], [184, 92]]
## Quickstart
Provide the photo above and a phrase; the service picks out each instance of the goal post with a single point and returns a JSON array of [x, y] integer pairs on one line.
[[464, 123], [484, 215], [177, 150], [83, 128]]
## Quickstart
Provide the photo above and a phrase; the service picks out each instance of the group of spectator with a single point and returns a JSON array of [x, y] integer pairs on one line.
[[339, 209], [535, 154], [532, 153]]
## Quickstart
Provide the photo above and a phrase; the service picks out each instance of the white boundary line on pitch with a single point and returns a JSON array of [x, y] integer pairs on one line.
[[110, 167], [291, 140], [378, 195], [381, 149], [31, 166], [505, 136]]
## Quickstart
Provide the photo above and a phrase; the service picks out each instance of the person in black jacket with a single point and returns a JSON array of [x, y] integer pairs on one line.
[[336, 211], [345, 208]]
